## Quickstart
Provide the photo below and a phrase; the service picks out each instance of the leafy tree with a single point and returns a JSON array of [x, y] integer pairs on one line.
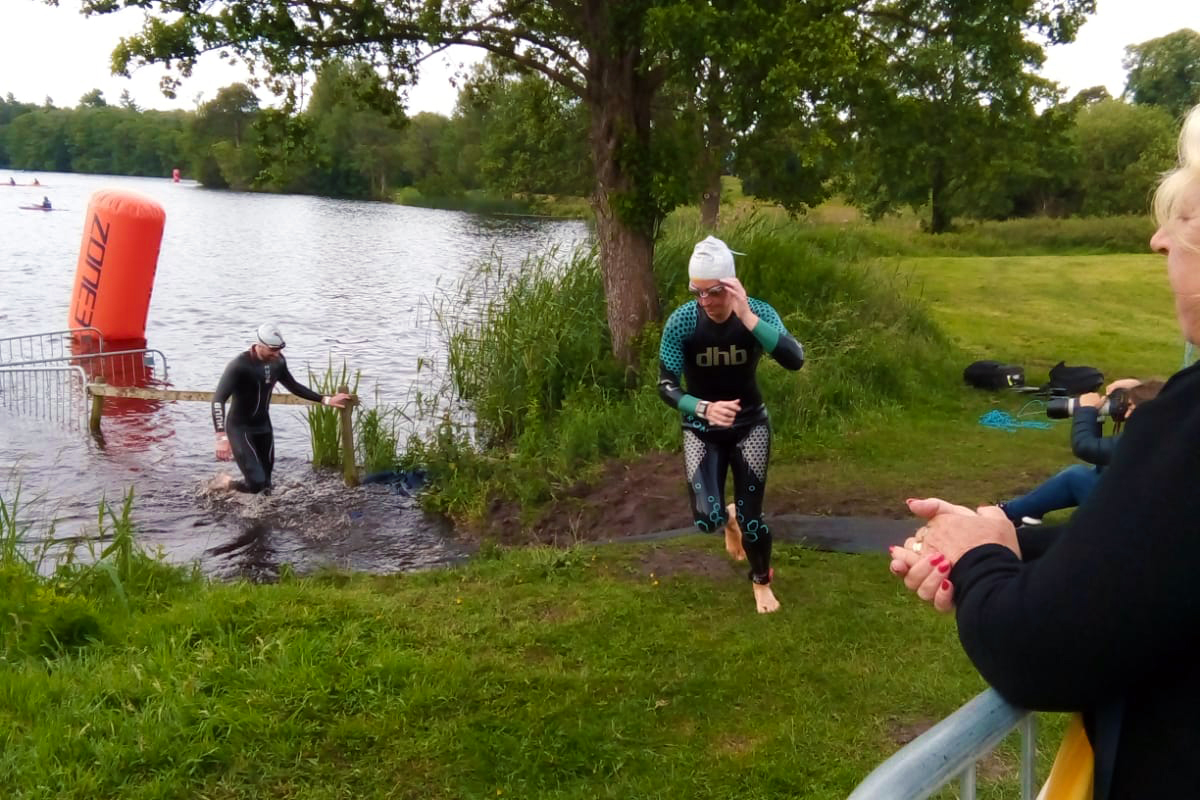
[[1165, 72], [223, 140], [945, 102], [127, 101], [93, 99], [40, 140], [616, 56], [531, 133], [355, 123], [1122, 149]]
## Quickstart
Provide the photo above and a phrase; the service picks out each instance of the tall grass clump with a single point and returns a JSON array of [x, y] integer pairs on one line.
[[324, 427], [549, 404], [55, 606], [376, 431]]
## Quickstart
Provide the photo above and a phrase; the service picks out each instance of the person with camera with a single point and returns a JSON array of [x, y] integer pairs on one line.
[[1100, 617], [1071, 487]]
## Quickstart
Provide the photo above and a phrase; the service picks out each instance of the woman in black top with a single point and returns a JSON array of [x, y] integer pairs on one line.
[[714, 343], [1102, 614]]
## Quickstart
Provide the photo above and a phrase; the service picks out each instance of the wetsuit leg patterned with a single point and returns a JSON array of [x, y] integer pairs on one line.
[[705, 463], [748, 463], [254, 452]]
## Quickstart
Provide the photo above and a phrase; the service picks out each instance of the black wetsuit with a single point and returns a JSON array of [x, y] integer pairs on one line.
[[718, 361], [249, 382]]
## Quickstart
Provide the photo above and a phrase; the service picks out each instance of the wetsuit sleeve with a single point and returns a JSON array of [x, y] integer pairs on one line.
[[1086, 441], [224, 390], [680, 325], [774, 338], [295, 387]]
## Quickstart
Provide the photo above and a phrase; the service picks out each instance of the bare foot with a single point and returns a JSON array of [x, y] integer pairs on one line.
[[733, 535], [764, 599], [221, 482]]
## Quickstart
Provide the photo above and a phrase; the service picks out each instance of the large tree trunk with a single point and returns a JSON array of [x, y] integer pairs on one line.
[[619, 100], [710, 200], [716, 145], [939, 220]]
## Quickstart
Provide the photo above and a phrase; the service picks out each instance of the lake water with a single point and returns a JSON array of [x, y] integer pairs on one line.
[[345, 280]]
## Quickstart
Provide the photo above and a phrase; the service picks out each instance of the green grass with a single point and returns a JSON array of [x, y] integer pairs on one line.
[[635, 671], [591, 672], [1113, 312]]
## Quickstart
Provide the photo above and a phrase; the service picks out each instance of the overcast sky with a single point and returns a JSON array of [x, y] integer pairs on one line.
[[56, 52]]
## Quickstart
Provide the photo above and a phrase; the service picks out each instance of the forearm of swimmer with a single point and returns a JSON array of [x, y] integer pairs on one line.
[[221, 395], [671, 392], [788, 352], [299, 389], [774, 338]]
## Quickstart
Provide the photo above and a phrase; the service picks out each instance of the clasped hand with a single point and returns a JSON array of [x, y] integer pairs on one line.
[[926, 558]]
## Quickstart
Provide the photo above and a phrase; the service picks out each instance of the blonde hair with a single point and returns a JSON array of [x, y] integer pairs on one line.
[[1176, 182]]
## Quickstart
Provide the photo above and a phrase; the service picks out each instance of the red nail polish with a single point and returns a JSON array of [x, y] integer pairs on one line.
[[944, 567], [945, 586], [936, 560]]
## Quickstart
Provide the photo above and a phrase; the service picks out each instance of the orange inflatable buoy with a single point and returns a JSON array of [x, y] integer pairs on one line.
[[117, 260], [175, 175]]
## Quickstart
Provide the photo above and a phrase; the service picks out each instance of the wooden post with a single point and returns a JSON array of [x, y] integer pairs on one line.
[[97, 409], [349, 470]]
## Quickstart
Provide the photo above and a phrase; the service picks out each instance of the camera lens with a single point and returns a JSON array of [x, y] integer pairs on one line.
[[1060, 407]]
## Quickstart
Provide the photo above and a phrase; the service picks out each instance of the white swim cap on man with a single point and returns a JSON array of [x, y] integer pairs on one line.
[[711, 260], [268, 334]]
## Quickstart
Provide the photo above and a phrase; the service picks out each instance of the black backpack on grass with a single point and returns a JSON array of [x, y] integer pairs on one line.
[[1072, 381], [994, 375]]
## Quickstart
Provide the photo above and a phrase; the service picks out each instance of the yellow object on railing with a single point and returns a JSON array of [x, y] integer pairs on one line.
[[1074, 768]]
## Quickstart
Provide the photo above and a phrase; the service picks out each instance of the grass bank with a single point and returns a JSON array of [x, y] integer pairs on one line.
[[622, 672]]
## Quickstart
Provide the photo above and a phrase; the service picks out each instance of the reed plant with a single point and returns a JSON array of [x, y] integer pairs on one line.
[[376, 431], [324, 426]]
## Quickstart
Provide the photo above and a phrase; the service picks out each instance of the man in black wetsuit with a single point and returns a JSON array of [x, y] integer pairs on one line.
[[714, 343], [246, 432]]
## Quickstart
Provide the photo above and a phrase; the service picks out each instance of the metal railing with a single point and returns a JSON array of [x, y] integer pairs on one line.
[[950, 750], [119, 367], [48, 345], [53, 393]]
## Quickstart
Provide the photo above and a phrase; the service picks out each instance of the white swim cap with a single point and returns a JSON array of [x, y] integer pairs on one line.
[[711, 260], [268, 334]]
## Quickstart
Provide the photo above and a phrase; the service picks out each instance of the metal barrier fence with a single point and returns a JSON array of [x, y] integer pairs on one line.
[[950, 750], [118, 367], [48, 345], [53, 393]]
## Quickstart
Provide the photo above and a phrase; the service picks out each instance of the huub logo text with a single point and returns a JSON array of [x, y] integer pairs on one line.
[[716, 357]]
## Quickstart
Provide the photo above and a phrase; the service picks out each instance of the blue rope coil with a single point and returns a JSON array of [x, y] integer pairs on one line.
[[1002, 420]]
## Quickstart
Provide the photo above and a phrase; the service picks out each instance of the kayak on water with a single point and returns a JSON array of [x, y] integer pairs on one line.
[[40, 208]]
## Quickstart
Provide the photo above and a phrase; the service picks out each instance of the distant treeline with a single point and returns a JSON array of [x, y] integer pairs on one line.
[[352, 140], [521, 135]]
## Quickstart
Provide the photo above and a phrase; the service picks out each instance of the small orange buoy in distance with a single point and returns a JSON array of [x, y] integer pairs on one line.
[[175, 175]]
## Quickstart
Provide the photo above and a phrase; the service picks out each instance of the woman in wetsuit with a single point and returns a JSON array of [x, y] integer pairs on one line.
[[714, 344], [246, 432]]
